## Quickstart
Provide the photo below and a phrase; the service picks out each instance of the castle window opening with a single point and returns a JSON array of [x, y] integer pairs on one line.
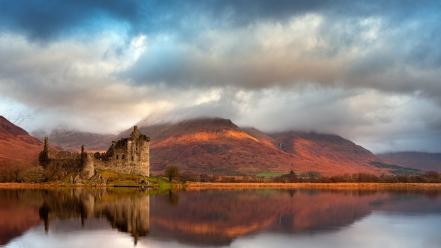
[[116, 156], [123, 156]]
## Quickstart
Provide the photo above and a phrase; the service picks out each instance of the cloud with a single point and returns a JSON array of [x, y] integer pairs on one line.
[[307, 49], [71, 81], [379, 121], [256, 57], [45, 19]]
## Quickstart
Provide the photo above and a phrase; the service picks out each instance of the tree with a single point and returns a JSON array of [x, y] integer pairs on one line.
[[43, 156], [171, 172]]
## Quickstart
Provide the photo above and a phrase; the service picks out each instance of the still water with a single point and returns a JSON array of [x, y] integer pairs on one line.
[[240, 218]]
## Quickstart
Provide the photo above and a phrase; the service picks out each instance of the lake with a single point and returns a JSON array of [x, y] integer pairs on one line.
[[219, 218]]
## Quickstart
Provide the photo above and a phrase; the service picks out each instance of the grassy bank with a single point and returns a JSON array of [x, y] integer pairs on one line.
[[342, 186], [162, 186], [102, 179]]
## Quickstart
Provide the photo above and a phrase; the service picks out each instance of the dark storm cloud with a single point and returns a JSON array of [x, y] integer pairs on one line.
[[45, 19]]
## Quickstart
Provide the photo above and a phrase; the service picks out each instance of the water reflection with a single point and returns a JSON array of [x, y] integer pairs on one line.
[[126, 211], [214, 218]]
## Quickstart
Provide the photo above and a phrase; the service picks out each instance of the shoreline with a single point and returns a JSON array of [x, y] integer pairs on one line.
[[194, 186], [336, 186], [47, 186]]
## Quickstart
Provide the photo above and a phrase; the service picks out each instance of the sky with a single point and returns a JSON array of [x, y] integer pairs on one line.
[[367, 70]]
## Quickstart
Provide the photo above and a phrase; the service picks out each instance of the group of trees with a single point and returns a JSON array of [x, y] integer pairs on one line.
[[10, 174], [173, 173], [427, 177], [20, 173]]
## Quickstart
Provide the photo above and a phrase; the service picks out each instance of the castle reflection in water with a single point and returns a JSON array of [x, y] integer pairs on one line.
[[62, 217], [126, 211]]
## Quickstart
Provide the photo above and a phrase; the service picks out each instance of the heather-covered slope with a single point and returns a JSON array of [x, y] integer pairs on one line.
[[17, 147], [215, 146], [218, 146], [331, 153]]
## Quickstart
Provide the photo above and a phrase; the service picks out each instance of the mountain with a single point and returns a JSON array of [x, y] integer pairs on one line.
[[220, 147], [73, 140], [17, 147], [214, 146], [329, 152], [417, 160]]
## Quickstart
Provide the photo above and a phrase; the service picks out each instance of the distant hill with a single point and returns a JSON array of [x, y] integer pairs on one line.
[[72, 140], [330, 152], [17, 147], [218, 146], [417, 160]]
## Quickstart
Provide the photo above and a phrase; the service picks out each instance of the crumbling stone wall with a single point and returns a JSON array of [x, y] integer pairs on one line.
[[63, 161], [131, 155]]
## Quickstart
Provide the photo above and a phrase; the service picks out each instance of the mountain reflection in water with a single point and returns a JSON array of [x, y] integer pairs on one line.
[[198, 218]]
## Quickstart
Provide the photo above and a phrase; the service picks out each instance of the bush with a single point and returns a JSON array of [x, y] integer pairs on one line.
[[11, 174]]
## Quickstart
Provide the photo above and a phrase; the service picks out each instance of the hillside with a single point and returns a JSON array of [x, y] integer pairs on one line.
[[218, 146], [329, 152], [417, 160], [17, 147], [214, 146]]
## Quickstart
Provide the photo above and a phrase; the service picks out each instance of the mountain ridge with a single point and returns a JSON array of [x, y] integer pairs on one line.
[[17, 147], [217, 146], [8, 128], [425, 161]]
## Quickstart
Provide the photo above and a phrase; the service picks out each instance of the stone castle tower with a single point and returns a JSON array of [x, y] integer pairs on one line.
[[132, 154]]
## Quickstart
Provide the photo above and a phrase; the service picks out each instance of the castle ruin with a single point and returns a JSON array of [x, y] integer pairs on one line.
[[128, 155], [128, 212]]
